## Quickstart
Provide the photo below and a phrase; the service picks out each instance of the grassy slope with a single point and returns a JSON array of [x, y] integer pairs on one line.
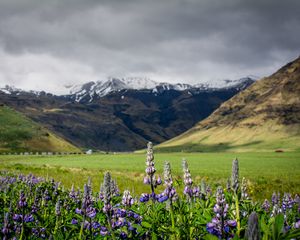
[[19, 134], [267, 171], [264, 117]]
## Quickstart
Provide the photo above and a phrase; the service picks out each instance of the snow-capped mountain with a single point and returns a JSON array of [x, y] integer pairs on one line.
[[226, 83], [90, 90], [17, 91]]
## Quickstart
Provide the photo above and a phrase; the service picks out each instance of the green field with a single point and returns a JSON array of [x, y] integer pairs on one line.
[[19, 134], [266, 172]]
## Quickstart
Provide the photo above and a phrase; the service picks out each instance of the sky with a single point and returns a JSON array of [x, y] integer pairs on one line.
[[46, 45]]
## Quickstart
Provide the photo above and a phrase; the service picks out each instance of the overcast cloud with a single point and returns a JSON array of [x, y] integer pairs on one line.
[[51, 43]]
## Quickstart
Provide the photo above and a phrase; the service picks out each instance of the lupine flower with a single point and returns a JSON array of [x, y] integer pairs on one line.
[[114, 188], [74, 221], [127, 199], [297, 224], [96, 225], [275, 199], [147, 180], [244, 190], [276, 205], [297, 201], [235, 175], [78, 211], [6, 226], [74, 195], [57, 208], [123, 235], [150, 170], [107, 193], [28, 218], [187, 179], [266, 206], [91, 212], [169, 192], [104, 231], [287, 202], [228, 185], [220, 226], [87, 198], [46, 196], [252, 232], [17, 217], [144, 197], [22, 201]]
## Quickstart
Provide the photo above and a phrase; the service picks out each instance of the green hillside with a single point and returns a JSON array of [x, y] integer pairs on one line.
[[264, 117], [19, 134]]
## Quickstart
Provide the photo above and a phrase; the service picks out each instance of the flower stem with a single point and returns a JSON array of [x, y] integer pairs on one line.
[[237, 209]]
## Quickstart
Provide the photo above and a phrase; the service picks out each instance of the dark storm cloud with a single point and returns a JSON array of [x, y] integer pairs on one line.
[[169, 40]]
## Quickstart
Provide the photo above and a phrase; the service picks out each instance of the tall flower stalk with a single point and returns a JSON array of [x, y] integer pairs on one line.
[[220, 225], [252, 232], [235, 188], [169, 191], [107, 196], [150, 174], [187, 179]]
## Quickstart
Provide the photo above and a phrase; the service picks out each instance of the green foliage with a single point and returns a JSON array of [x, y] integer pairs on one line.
[[266, 172]]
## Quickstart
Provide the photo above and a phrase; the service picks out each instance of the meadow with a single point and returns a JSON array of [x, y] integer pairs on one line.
[[265, 172]]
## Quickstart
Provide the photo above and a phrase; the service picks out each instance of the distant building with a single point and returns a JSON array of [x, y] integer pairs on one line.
[[90, 151]]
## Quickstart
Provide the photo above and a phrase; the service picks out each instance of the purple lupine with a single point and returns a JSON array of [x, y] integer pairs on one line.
[[17, 217], [91, 212], [219, 225], [275, 199], [46, 196], [297, 202], [276, 209], [169, 192], [127, 199], [266, 206], [187, 179], [114, 188], [74, 195], [6, 227], [150, 170], [252, 231], [287, 202], [107, 193], [28, 218], [235, 175], [87, 198], [22, 200], [74, 221], [57, 208], [103, 231], [96, 225], [297, 224], [144, 197]]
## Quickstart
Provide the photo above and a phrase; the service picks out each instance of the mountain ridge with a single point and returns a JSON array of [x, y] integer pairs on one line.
[[266, 112], [95, 90]]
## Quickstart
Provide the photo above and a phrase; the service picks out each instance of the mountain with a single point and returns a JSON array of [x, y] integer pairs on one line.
[[124, 118], [20, 134], [263, 117], [94, 90]]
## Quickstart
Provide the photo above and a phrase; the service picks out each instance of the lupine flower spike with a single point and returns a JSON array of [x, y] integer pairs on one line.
[[252, 232]]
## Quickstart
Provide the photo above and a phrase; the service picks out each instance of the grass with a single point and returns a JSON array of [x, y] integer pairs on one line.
[[266, 171], [267, 138], [20, 134]]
